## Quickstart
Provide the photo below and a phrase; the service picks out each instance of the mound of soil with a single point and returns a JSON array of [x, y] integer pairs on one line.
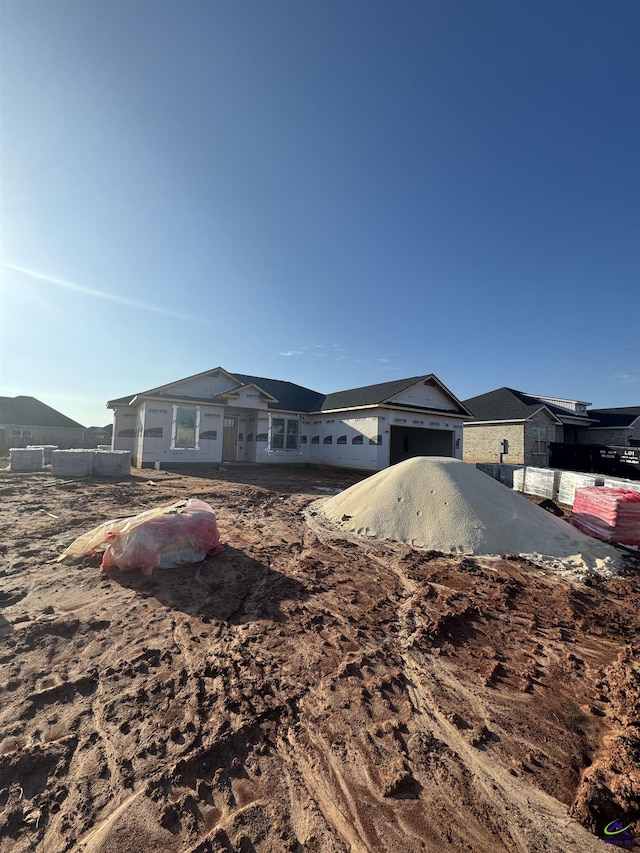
[[300, 691], [443, 504]]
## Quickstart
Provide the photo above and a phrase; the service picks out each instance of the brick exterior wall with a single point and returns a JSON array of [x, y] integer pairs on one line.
[[482, 442], [616, 437]]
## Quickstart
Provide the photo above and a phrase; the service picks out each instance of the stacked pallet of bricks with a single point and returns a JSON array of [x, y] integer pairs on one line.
[[47, 449], [542, 482], [571, 480], [499, 471], [609, 514], [87, 463], [111, 463], [518, 480], [72, 463], [619, 483], [26, 459]]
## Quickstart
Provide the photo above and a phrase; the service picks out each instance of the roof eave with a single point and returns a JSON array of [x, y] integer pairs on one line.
[[496, 422]]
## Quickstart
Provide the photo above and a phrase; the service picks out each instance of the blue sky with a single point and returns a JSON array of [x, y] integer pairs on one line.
[[332, 193]]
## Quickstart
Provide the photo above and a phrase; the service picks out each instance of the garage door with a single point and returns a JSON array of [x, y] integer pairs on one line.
[[412, 441]]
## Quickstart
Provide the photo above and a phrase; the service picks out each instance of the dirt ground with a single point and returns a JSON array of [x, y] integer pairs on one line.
[[302, 692]]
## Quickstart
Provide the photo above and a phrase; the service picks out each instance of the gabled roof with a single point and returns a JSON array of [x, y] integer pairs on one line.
[[281, 395], [28, 411], [507, 404], [290, 397], [159, 391], [375, 395], [621, 417]]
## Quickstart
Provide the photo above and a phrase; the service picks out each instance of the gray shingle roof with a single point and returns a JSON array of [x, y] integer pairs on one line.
[[28, 411], [368, 395], [290, 397], [296, 398], [621, 417], [507, 404]]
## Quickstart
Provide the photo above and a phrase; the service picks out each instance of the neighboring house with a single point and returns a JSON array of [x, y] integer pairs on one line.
[[25, 420], [93, 436], [527, 423], [617, 427], [217, 416]]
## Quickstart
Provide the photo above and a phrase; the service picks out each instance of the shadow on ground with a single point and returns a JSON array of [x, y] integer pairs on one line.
[[285, 479], [231, 587], [5, 626]]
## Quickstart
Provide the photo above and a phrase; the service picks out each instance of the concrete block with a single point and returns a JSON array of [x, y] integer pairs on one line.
[[48, 450], [72, 463], [26, 459], [112, 463]]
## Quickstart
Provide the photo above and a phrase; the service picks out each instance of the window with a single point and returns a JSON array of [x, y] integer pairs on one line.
[[209, 435], [315, 439], [328, 439], [293, 431], [285, 433], [357, 439], [342, 439], [153, 432], [249, 437], [186, 423], [261, 436], [539, 436], [376, 440], [303, 439]]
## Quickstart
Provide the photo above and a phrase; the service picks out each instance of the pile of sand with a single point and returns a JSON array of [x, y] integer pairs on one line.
[[443, 504]]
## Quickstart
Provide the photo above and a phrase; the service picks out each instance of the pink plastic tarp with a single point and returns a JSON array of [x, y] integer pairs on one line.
[[609, 514]]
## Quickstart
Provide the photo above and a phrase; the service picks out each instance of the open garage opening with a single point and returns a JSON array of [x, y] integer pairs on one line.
[[412, 441]]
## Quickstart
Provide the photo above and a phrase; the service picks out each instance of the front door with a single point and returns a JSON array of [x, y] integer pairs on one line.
[[229, 439]]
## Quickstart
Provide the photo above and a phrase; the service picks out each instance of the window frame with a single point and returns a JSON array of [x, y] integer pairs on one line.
[[284, 433], [540, 439], [175, 428]]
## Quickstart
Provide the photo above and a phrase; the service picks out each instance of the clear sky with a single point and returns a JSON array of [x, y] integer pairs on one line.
[[331, 193]]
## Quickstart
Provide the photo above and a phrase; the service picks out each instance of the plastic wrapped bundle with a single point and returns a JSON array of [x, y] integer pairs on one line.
[[542, 482], [518, 479], [619, 483], [569, 481], [167, 537], [609, 514]]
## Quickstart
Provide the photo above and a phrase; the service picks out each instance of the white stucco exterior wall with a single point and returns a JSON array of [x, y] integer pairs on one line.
[[156, 428]]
